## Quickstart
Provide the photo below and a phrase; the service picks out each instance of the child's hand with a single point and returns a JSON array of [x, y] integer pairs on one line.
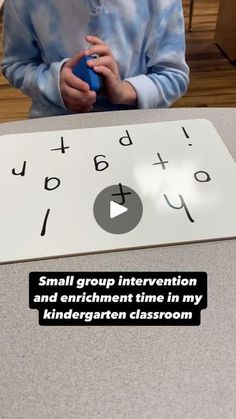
[[75, 92], [118, 91]]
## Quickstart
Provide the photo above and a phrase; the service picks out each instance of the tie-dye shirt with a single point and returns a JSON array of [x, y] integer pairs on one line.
[[146, 37]]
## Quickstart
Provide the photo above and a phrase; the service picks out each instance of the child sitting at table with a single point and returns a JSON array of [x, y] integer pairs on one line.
[[140, 47]]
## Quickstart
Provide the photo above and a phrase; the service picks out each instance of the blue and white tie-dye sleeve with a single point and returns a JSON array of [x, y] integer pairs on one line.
[[23, 66], [147, 40], [167, 75]]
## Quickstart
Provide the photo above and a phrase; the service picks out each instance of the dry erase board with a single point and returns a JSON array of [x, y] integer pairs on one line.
[[101, 189]]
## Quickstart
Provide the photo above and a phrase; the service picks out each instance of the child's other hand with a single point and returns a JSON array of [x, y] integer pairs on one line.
[[118, 91], [75, 92]]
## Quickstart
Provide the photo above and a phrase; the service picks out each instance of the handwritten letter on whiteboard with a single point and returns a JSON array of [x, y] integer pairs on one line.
[[88, 190]]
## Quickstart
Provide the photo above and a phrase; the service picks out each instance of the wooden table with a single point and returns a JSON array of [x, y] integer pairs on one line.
[[225, 35]]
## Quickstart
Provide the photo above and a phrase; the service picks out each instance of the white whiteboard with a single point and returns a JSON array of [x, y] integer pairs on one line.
[[49, 183]]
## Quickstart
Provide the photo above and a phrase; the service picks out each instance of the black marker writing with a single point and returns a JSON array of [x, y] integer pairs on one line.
[[43, 232], [22, 173], [162, 162], [206, 175], [126, 137], [48, 180], [100, 165], [186, 134], [122, 194], [183, 205], [62, 148]]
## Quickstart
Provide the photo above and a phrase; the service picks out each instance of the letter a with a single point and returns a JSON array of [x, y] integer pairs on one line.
[[46, 183]]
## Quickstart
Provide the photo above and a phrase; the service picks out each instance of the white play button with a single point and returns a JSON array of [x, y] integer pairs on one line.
[[106, 209], [116, 209]]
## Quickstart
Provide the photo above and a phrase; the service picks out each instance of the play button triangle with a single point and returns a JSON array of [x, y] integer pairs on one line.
[[116, 209]]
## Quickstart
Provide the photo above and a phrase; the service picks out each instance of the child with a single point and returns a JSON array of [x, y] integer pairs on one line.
[[140, 47]]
